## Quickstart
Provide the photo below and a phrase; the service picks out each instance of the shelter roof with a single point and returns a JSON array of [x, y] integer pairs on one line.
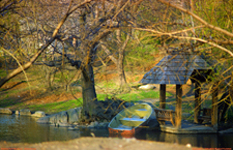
[[175, 69]]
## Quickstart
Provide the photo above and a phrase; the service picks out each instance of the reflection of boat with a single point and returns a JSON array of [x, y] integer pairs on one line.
[[131, 120]]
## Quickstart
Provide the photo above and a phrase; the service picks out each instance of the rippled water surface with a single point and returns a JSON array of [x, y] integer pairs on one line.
[[25, 129], [15, 128], [197, 140]]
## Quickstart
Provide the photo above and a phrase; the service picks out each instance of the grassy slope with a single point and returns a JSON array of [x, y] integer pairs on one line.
[[10, 98], [65, 105], [17, 96]]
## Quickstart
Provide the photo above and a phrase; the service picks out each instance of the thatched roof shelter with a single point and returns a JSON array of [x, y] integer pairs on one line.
[[176, 68]]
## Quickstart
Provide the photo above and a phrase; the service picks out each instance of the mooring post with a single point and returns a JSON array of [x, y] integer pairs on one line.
[[178, 105], [162, 97]]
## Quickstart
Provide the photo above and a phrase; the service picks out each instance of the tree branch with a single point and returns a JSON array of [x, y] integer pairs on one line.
[[41, 50], [198, 18], [27, 65], [107, 51], [205, 41], [157, 33], [76, 63]]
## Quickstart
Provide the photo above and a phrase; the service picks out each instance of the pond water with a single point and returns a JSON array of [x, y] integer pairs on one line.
[[15, 128]]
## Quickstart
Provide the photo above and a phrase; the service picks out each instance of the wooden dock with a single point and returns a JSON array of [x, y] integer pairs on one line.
[[186, 128]]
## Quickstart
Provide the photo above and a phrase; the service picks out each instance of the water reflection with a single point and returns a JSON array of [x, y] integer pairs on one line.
[[197, 140], [25, 129], [15, 128], [225, 141]]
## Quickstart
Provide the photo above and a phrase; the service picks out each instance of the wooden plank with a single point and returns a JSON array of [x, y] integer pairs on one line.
[[163, 115], [162, 97], [197, 101], [205, 115], [178, 105], [214, 115]]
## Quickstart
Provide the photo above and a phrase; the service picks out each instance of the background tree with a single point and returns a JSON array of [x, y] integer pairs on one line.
[[35, 56], [117, 43]]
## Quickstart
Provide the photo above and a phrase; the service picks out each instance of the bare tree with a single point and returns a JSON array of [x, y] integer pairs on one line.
[[119, 60], [87, 24], [94, 20]]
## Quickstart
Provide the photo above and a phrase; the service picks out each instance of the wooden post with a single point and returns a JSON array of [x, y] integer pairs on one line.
[[162, 97], [214, 114], [197, 101], [178, 105]]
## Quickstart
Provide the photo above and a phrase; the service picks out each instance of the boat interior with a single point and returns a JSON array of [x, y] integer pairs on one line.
[[131, 117]]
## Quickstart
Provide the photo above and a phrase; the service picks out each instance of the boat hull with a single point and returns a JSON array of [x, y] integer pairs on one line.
[[123, 133]]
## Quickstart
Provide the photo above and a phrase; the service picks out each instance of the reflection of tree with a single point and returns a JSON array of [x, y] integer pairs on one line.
[[196, 140]]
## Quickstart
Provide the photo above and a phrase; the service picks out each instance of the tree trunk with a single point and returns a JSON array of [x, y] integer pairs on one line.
[[88, 90], [120, 66], [120, 69]]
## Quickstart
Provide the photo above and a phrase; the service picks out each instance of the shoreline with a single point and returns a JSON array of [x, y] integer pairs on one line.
[[93, 143]]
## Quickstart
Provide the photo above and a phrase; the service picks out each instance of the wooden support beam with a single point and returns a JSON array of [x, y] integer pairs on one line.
[[214, 114], [162, 97], [197, 101], [178, 105]]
